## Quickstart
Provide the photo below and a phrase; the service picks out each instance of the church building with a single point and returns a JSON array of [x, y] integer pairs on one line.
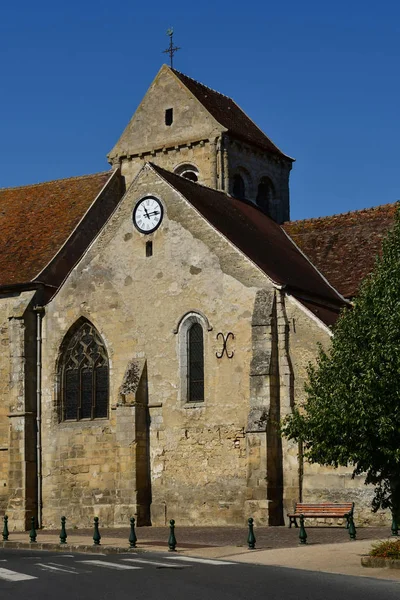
[[156, 322]]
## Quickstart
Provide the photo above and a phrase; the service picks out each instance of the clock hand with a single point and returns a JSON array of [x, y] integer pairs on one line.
[[145, 210], [155, 212]]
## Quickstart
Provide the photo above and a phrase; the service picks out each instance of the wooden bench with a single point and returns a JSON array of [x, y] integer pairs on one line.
[[324, 510]]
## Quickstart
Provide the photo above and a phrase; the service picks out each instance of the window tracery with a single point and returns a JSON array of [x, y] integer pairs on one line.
[[84, 376]]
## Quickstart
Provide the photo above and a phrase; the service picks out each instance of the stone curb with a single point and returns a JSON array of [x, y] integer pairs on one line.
[[377, 562], [84, 548]]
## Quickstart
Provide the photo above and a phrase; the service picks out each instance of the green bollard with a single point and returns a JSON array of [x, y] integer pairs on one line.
[[352, 528], [5, 530], [251, 540], [302, 532], [32, 533], [96, 534], [172, 538], [132, 536], [63, 532], [395, 527]]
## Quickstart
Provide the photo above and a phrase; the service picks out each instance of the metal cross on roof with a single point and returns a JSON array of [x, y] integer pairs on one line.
[[172, 49]]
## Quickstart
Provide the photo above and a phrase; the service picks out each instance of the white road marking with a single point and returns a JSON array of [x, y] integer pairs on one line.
[[108, 565], [205, 561], [155, 563], [8, 575], [51, 556], [61, 565], [50, 567]]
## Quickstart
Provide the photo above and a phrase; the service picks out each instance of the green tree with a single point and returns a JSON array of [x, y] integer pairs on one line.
[[351, 415]]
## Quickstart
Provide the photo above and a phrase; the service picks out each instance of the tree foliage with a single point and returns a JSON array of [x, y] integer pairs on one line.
[[351, 416]]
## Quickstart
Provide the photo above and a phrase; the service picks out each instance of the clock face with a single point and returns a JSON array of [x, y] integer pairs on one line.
[[148, 214]]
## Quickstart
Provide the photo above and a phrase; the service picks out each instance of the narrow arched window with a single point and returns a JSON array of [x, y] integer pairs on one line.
[[195, 363], [191, 175], [265, 194], [239, 190], [84, 375], [188, 171]]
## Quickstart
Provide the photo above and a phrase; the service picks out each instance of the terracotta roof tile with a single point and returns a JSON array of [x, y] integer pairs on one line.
[[343, 247], [263, 241], [229, 114], [36, 220]]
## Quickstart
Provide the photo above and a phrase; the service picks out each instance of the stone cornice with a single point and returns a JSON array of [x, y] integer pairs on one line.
[[176, 147]]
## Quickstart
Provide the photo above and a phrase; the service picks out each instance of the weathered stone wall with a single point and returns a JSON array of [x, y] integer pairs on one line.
[[147, 128], [197, 452], [198, 154], [189, 139], [318, 483]]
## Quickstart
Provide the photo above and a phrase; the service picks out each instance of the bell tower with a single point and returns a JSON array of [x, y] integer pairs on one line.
[[198, 133]]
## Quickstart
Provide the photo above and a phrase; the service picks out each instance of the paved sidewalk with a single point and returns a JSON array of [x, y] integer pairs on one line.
[[329, 549], [196, 537], [342, 559]]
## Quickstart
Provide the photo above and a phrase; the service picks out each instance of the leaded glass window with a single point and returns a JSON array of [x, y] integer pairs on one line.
[[84, 375], [195, 363]]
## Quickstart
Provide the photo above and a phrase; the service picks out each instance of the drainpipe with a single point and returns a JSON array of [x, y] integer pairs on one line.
[[39, 316]]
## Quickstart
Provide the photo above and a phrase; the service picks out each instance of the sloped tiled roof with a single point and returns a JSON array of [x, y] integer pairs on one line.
[[264, 242], [344, 246], [36, 220], [229, 114]]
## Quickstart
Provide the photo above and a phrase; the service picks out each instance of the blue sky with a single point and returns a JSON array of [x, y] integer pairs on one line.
[[321, 79]]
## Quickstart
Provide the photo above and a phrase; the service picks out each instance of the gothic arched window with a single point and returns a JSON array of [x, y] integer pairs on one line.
[[265, 194], [84, 375], [195, 363], [239, 189]]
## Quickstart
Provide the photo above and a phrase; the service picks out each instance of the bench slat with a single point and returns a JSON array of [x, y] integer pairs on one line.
[[323, 506], [317, 515], [316, 509], [323, 509]]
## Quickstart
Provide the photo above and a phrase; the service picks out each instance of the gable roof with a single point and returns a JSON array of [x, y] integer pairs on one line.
[[36, 221], [264, 242], [229, 115], [343, 247]]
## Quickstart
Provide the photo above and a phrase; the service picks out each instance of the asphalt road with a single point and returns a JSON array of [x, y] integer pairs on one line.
[[151, 576]]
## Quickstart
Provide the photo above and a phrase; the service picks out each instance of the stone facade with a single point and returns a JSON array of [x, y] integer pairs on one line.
[[148, 297], [156, 455]]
